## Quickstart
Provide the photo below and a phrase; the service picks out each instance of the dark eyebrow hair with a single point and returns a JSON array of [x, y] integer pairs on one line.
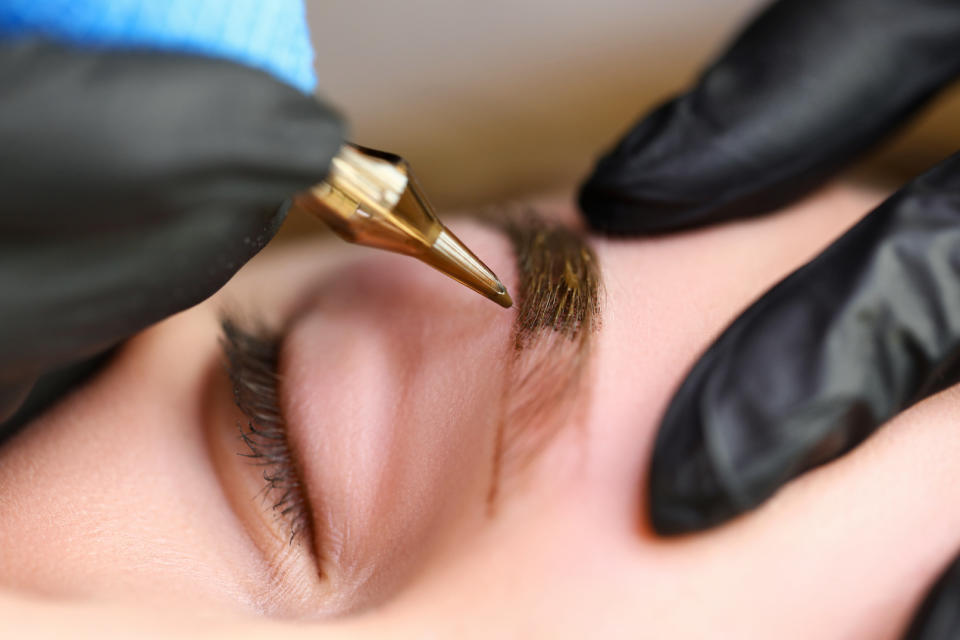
[[558, 298], [559, 281]]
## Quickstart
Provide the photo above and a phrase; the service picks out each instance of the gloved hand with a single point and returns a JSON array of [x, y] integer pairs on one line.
[[135, 183], [866, 329]]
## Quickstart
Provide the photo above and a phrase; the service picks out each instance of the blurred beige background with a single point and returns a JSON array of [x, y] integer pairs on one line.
[[496, 99]]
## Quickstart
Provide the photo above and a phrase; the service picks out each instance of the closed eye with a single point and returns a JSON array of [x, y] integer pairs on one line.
[[252, 358]]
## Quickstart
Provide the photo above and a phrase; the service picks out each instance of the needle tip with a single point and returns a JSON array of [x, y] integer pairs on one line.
[[501, 296], [450, 255]]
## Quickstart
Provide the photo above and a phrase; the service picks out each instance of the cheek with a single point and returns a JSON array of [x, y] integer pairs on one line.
[[111, 494]]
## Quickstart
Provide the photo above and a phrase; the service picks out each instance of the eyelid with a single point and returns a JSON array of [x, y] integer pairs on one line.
[[252, 360]]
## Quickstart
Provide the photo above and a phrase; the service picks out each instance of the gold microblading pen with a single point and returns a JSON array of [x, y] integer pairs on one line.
[[372, 198]]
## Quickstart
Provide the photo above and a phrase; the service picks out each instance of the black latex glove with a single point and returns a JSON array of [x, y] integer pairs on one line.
[[870, 326], [134, 185]]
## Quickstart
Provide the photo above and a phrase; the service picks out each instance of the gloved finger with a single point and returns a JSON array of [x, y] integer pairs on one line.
[[939, 616], [135, 185], [867, 328], [804, 89]]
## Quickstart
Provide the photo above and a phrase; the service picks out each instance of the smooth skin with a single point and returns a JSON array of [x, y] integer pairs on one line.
[[125, 506]]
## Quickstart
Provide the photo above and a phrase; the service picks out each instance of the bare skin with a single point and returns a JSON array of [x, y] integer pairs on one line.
[[127, 501]]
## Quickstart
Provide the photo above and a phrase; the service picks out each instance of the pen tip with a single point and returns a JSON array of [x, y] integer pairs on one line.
[[502, 297]]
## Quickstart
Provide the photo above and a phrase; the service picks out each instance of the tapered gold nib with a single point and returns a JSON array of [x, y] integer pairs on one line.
[[452, 257], [372, 198]]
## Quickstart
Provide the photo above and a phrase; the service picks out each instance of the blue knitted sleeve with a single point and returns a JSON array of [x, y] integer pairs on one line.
[[268, 34]]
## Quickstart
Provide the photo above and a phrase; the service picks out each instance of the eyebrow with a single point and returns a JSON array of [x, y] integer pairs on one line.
[[558, 312]]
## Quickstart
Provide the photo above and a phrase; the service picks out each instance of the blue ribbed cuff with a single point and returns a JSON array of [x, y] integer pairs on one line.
[[267, 34]]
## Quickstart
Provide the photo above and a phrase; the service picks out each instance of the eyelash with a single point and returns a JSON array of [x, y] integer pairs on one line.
[[252, 367]]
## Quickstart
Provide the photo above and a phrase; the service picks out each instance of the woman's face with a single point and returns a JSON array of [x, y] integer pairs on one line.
[[426, 488]]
